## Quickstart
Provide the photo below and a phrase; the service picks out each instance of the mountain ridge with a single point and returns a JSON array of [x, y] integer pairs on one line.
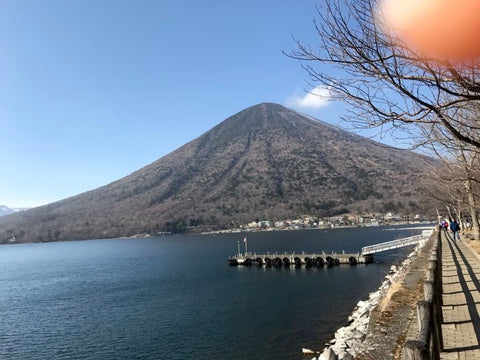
[[5, 210], [265, 162]]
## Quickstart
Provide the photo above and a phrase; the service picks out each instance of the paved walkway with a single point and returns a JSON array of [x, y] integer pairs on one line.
[[461, 300]]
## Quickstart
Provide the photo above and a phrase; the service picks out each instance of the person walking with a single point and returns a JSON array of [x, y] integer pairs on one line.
[[445, 225], [455, 228]]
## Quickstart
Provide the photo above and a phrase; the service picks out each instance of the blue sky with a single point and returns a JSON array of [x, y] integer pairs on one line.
[[91, 91]]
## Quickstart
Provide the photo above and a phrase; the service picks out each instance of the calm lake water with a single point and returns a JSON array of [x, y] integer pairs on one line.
[[176, 297]]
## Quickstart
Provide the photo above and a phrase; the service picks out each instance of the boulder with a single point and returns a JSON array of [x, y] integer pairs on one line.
[[329, 354]]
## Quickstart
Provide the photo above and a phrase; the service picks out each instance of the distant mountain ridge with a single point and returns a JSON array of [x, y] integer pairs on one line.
[[266, 162], [5, 210]]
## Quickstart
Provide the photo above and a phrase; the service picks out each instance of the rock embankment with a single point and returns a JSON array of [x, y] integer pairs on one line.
[[377, 327]]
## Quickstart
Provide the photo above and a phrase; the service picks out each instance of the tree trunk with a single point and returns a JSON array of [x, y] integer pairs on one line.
[[473, 210], [470, 196]]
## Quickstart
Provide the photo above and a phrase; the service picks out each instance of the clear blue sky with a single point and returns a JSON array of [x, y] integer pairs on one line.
[[92, 90]]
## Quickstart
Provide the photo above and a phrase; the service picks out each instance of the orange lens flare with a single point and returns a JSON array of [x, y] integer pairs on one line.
[[445, 29]]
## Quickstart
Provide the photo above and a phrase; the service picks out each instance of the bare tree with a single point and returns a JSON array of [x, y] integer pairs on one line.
[[469, 163], [388, 84], [456, 176]]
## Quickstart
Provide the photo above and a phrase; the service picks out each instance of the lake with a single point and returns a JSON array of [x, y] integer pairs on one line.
[[175, 297]]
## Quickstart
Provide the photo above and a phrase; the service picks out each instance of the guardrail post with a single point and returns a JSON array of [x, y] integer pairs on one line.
[[430, 274], [415, 350], [428, 290]]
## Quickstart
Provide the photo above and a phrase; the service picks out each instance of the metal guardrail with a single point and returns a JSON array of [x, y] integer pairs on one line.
[[395, 244]]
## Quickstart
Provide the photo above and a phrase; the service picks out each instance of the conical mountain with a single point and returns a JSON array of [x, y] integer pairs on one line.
[[264, 163]]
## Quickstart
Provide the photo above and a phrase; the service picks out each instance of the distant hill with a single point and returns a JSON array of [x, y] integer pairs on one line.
[[266, 162], [5, 210]]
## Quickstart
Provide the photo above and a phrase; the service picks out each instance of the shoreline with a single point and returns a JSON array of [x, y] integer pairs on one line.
[[350, 340], [426, 224]]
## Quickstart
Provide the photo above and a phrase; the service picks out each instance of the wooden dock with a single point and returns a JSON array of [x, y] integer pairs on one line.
[[320, 259], [294, 259]]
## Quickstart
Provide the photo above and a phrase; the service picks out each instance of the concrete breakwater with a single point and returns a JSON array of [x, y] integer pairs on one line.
[[348, 341]]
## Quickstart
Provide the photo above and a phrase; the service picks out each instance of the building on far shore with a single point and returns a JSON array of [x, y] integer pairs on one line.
[[308, 221]]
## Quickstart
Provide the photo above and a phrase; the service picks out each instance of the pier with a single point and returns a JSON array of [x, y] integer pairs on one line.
[[286, 259], [298, 259]]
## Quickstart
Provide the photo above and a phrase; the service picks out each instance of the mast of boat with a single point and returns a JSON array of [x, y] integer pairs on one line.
[[245, 241], [238, 247]]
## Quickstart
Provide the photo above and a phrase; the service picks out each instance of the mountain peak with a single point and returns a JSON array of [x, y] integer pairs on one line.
[[266, 118], [265, 162]]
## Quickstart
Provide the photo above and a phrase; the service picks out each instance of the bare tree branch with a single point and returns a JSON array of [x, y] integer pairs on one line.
[[386, 82]]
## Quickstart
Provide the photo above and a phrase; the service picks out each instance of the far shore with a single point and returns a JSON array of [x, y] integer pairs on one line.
[[325, 227]]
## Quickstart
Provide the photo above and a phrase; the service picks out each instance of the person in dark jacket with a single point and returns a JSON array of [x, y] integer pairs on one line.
[[455, 228]]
